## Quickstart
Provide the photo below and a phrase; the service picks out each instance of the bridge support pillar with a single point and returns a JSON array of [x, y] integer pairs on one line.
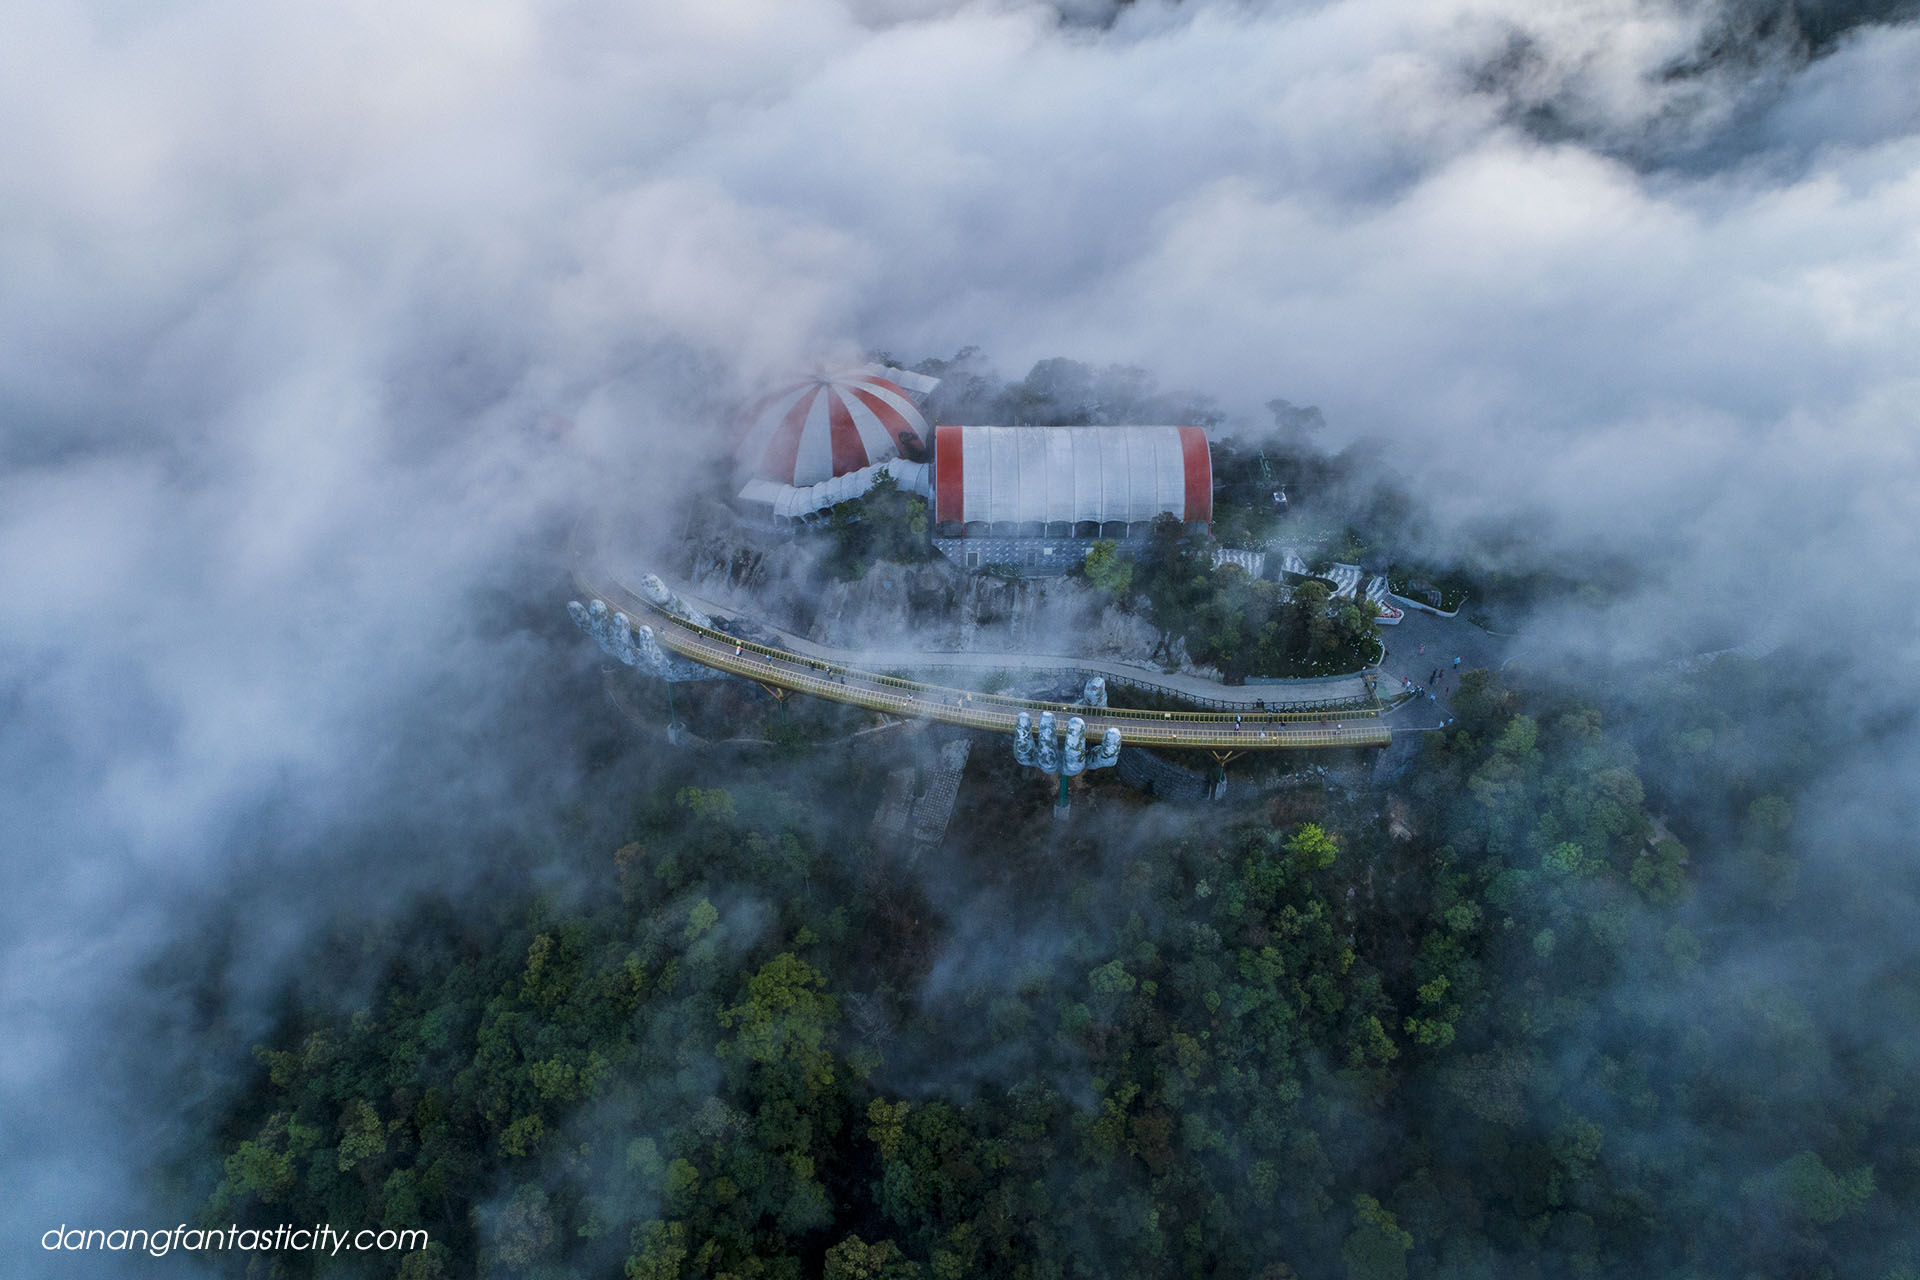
[[1217, 782]]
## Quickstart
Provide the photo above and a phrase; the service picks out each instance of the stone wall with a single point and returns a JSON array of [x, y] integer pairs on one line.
[[1034, 556], [1161, 778]]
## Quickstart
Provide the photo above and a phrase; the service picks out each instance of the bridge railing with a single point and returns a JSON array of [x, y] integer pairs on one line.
[[968, 698], [1314, 707]]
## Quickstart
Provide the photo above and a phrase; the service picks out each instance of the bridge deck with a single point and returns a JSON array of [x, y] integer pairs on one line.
[[895, 696]]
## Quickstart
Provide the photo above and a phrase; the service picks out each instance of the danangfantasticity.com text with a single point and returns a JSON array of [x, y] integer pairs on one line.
[[318, 1238]]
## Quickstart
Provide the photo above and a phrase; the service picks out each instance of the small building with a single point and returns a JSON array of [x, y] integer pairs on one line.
[[1037, 498]]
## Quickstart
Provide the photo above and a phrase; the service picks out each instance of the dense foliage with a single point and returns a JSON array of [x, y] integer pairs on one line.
[[882, 524], [1238, 624], [1551, 1004], [1455, 1029]]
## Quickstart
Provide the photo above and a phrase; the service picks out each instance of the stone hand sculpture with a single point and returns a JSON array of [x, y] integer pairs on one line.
[[1047, 757], [1074, 759], [1107, 753], [1023, 749], [611, 631], [615, 634], [663, 598]]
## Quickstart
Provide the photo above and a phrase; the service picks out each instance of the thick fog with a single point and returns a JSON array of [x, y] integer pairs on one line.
[[316, 323]]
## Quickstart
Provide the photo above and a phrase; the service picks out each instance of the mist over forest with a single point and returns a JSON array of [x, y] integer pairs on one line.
[[337, 889]]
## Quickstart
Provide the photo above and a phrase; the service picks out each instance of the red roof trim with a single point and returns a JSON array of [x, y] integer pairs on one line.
[[948, 471], [892, 419], [1196, 461], [848, 453], [885, 384], [784, 449]]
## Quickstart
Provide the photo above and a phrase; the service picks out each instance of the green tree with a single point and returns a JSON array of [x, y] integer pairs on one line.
[[1297, 423], [1108, 570], [1376, 1249], [362, 1136], [523, 1232], [1312, 847], [702, 917], [1816, 1192], [1111, 979], [660, 1250], [785, 1015], [886, 1125], [1661, 873], [855, 1259]]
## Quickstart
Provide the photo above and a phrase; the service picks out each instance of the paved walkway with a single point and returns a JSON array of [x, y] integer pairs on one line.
[[1347, 688], [808, 672], [1444, 640]]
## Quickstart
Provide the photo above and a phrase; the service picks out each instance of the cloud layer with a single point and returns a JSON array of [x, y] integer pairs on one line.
[[288, 292]]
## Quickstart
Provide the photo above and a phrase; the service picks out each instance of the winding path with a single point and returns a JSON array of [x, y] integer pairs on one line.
[[784, 670], [1345, 691]]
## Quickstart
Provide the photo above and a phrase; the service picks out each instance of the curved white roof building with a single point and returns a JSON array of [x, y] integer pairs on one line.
[[1068, 482]]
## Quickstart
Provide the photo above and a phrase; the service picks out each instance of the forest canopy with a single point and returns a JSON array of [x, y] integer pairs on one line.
[[1285, 1039], [1514, 1006]]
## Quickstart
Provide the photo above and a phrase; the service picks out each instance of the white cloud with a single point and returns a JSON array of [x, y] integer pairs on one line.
[[284, 286]]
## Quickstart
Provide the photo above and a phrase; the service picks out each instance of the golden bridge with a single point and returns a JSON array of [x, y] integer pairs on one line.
[[782, 672]]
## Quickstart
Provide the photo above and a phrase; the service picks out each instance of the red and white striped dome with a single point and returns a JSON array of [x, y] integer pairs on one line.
[[830, 424]]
